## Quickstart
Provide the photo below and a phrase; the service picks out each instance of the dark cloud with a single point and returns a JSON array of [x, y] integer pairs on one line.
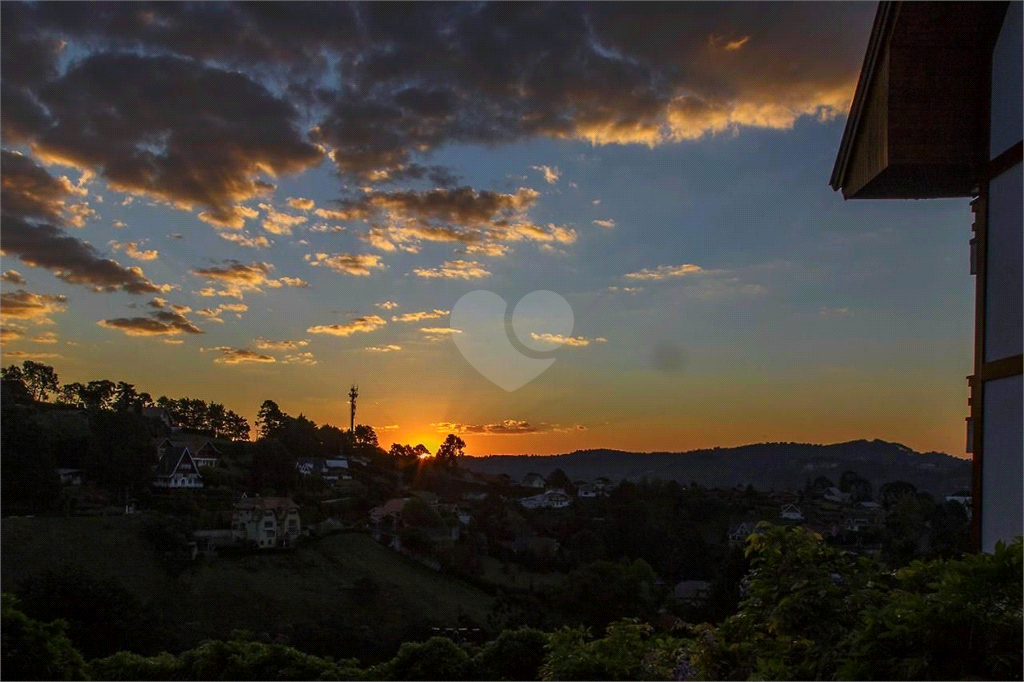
[[31, 200], [159, 323], [179, 100], [237, 356], [13, 276], [186, 133]]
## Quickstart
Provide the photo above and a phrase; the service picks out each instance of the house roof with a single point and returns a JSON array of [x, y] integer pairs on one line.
[[918, 125], [170, 460], [285, 503]]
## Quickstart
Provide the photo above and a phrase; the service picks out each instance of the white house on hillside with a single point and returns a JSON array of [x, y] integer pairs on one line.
[[177, 469], [269, 522]]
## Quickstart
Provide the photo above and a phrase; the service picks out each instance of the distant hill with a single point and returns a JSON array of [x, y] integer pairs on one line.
[[767, 466]]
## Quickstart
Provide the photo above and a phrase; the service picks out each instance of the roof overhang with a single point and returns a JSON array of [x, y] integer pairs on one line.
[[918, 126]]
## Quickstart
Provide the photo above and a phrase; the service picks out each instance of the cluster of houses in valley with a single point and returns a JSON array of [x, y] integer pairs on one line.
[[558, 498], [833, 514]]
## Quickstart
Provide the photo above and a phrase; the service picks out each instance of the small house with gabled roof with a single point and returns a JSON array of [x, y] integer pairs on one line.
[[177, 469]]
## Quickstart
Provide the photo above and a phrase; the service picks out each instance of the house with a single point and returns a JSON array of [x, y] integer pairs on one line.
[[206, 455], [856, 525], [70, 476], [269, 522], [738, 534], [939, 113], [392, 508], [534, 481], [834, 494], [160, 414], [585, 490], [338, 468], [549, 499], [692, 591], [474, 496], [177, 469], [791, 512]]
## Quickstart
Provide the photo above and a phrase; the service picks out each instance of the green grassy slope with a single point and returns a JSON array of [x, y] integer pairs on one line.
[[345, 581]]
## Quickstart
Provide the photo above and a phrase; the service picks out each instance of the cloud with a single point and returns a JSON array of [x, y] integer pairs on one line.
[[301, 204], [606, 73], [238, 277], [550, 174], [434, 334], [119, 224], [25, 305], [159, 323], [266, 344], [8, 334], [246, 240], [173, 128], [835, 312], [364, 324], [663, 272], [78, 214], [605, 223], [390, 348], [506, 427], [305, 358], [355, 264], [45, 337], [214, 314], [132, 250], [238, 356], [454, 269], [420, 316], [280, 223], [31, 355], [561, 340], [387, 305], [625, 290], [30, 201], [13, 277]]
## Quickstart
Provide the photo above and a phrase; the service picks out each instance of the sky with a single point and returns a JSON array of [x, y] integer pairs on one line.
[[275, 201]]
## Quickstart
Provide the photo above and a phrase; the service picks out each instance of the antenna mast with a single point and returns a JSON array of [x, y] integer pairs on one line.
[[353, 393]]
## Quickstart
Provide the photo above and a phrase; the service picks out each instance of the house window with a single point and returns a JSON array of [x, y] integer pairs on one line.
[[268, 524]]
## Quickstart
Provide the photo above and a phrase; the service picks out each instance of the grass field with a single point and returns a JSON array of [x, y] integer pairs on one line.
[[346, 580]]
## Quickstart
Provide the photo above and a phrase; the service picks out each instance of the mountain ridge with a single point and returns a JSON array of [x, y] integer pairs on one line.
[[772, 465]]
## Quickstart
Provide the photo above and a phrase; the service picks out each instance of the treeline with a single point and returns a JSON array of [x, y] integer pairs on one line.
[[808, 612], [37, 382]]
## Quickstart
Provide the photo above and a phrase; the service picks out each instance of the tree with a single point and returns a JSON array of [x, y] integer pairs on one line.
[[559, 479], [452, 450], [270, 420], [513, 655], [98, 395], [365, 436], [34, 650], [41, 380], [438, 658], [892, 492], [630, 650], [127, 399]]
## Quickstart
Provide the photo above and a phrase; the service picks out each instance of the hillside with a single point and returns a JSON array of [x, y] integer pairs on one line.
[[356, 597], [766, 466]]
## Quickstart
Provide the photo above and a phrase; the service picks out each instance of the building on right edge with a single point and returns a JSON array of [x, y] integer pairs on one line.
[[939, 112]]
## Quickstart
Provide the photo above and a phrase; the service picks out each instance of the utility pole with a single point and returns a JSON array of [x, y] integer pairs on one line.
[[353, 393]]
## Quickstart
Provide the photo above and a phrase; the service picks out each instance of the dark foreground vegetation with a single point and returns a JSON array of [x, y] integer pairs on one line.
[[412, 565], [808, 611]]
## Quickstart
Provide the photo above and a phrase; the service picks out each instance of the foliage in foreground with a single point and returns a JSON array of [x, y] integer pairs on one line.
[[809, 612], [812, 612]]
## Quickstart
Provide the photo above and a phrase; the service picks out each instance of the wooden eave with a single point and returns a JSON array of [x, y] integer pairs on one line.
[[918, 125]]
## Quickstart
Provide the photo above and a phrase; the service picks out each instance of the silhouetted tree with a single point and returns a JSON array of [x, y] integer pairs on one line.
[[270, 420], [452, 450], [40, 380]]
